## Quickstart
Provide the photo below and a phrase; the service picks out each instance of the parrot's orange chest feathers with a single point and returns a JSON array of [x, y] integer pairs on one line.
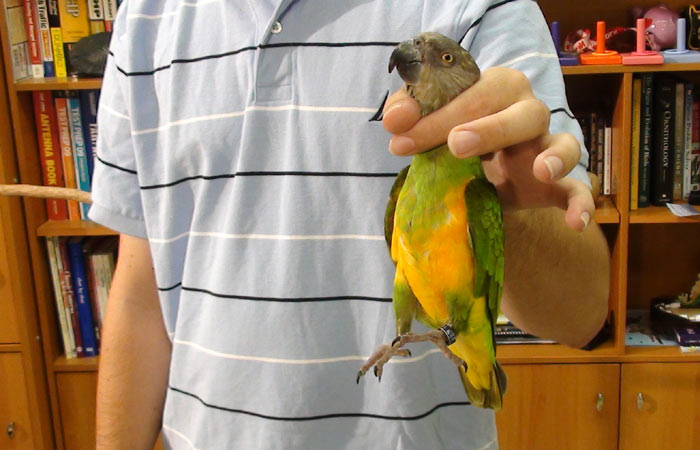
[[433, 249]]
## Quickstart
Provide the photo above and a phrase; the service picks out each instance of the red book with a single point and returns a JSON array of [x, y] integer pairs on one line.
[[67, 286], [33, 37], [49, 151]]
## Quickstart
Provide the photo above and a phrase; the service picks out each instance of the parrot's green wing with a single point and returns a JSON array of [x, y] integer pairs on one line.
[[391, 206], [486, 229]]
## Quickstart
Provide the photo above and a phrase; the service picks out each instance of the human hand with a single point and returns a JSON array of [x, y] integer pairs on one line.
[[499, 119]]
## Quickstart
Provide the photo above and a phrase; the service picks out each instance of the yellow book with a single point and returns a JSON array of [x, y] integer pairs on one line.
[[636, 126], [59, 58], [74, 20]]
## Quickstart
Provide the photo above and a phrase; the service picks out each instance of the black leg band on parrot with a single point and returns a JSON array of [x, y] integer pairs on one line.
[[450, 335]]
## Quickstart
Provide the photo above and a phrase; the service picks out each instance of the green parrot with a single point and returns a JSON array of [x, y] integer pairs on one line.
[[444, 229]]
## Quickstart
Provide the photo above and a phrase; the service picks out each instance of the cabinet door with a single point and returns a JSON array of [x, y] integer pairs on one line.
[[667, 413], [15, 428], [76, 402], [557, 406], [8, 325]]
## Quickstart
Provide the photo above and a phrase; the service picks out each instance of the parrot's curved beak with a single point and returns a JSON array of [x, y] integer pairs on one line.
[[407, 59]]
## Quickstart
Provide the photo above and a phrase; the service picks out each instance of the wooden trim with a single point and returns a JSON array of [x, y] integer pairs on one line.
[[73, 228], [60, 84]]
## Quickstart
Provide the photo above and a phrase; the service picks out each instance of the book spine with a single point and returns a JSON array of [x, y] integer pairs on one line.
[[77, 267], [687, 138], [33, 38], [96, 16], [18, 45], [92, 290], [663, 151], [47, 136], [64, 140], [646, 140], [69, 294], [636, 122], [82, 174], [678, 139], [607, 161], [45, 41], [74, 20], [695, 147], [88, 110], [110, 11], [59, 58], [60, 309]]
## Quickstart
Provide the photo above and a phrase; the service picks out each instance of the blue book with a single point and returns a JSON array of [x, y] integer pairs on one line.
[[88, 109], [82, 296], [82, 170]]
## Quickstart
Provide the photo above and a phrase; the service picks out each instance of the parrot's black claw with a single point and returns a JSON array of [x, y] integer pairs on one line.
[[409, 352], [395, 341], [360, 374], [376, 371]]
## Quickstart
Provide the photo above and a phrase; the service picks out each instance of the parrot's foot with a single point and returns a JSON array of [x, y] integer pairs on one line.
[[386, 352]]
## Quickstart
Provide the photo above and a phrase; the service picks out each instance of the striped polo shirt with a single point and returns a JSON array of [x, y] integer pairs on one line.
[[241, 139]]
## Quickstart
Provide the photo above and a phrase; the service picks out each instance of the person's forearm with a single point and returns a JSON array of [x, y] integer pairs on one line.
[[134, 361], [556, 280]]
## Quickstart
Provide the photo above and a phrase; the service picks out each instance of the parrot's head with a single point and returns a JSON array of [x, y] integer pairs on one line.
[[435, 68]]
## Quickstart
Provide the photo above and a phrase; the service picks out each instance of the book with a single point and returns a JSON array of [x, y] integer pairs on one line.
[[68, 347], [663, 143], [49, 151], [82, 173], [96, 16], [687, 137], [646, 140], [74, 20], [678, 140], [636, 122], [46, 47], [59, 58], [66, 144], [110, 11], [695, 147], [80, 287], [88, 111], [33, 39], [607, 160], [69, 294], [19, 45], [687, 334]]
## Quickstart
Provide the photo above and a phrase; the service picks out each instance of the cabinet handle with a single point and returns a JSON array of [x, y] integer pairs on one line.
[[640, 401], [599, 402], [11, 430]]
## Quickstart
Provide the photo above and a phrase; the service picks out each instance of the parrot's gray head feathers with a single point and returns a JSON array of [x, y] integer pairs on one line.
[[435, 68]]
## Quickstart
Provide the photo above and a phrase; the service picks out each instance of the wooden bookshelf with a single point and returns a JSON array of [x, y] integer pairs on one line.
[[659, 214], [48, 84], [606, 212], [88, 364], [616, 68], [73, 228]]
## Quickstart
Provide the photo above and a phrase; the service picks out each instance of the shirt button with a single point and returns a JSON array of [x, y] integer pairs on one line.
[[276, 27]]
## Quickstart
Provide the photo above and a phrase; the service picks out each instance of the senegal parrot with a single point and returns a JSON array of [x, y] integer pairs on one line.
[[444, 228]]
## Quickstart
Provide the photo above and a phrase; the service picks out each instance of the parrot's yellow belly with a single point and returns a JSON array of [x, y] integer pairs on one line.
[[436, 257]]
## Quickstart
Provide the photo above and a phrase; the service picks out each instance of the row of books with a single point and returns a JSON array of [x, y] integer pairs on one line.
[[81, 273], [43, 31], [665, 165], [66, 127], [597, 136]]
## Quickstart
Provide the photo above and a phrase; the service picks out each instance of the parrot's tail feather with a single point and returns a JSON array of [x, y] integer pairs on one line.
[[487, 398]]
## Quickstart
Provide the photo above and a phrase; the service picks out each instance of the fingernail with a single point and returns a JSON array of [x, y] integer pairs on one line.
[[401, 145], [555, 166], [393, 107], [464, 143], [586, 219]]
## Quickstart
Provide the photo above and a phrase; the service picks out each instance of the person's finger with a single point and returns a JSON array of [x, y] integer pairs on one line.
[[400, 112], [520, 122], [562, 153], [579, 203], [497, 89]]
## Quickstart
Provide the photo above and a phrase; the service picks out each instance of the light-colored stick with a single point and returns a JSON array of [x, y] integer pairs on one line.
[[28, 190]]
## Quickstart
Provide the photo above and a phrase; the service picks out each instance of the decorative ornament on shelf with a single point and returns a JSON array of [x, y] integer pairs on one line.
[[662, 31], [691, 300]]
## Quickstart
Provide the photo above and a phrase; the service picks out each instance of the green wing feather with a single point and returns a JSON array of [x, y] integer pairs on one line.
[[486, 228], [391, 206]]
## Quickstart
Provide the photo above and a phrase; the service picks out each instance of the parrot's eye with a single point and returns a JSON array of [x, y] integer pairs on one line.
[[447, 57]]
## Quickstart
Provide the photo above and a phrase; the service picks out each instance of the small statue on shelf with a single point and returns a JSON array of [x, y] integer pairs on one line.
[[691, 300]]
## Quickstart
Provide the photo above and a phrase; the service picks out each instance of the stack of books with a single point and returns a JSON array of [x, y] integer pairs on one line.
[[81, 274], [43, 31]]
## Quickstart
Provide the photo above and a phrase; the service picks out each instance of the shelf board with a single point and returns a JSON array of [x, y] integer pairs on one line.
[[554, 353], [88, 364], [73, 228], [659, 214], [659, 354], [617, 68], [607, 212], [48, 84]]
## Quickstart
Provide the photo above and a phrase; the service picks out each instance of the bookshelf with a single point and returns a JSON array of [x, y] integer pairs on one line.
[[671, 246]]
